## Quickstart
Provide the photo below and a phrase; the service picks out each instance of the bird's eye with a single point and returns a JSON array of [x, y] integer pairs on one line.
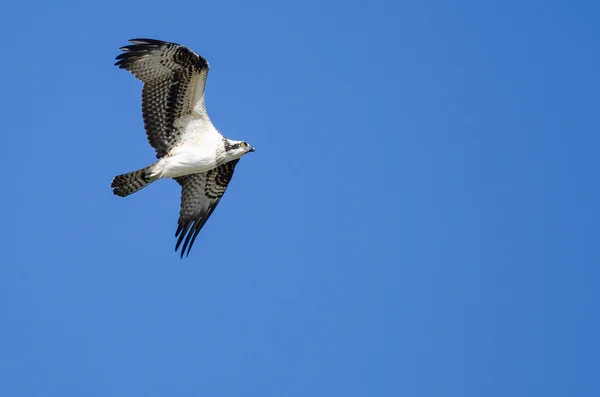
[[243, 144]]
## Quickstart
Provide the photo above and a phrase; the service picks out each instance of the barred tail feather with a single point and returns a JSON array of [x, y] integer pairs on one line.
[[126, 184]]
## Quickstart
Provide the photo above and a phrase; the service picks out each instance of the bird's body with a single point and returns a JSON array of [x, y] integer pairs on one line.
[[188, 147], [191, 158]]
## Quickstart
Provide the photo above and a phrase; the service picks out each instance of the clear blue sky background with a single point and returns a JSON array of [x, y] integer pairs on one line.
[[420, 217]]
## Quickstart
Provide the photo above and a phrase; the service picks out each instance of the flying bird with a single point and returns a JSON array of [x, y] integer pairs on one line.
[[188, 147]]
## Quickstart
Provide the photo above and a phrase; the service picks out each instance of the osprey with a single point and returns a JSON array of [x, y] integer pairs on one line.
[[188, 147]]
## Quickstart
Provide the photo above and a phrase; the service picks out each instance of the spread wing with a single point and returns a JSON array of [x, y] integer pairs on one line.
[[174, 78], [200, 194]]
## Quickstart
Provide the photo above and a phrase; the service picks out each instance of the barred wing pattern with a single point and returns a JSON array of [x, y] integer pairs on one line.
[[200, 194], [174, 78]]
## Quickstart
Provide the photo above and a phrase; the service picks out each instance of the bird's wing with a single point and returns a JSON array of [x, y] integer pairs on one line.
[[174, 78], [200, 194]]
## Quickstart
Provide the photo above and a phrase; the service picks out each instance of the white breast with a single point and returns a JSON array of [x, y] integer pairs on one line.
[[196, 151]]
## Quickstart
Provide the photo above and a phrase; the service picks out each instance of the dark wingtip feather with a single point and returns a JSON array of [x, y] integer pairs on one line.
[[129, 57], [187, 234], [186, 243], [123, 55], [137, 49], [196, 231], [148, 41], [142, 46], [184, 233], [182, 230]]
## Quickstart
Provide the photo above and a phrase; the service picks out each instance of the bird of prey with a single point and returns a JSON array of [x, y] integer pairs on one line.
[[188, 147]]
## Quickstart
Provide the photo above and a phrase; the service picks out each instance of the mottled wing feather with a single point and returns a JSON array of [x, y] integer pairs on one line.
[[200, 194], [174, 78]]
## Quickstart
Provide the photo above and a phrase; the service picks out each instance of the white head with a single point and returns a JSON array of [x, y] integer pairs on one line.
[[236, 149]]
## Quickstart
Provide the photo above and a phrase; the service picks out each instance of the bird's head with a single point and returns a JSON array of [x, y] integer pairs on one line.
[[236, 149]]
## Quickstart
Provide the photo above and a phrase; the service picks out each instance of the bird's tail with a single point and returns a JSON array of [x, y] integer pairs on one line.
[[126, 184]]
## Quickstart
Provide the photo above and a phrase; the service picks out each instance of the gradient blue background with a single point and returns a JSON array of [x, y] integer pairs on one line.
[[420, 217]]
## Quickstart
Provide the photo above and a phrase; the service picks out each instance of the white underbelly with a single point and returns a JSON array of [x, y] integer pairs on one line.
[[181, 165]]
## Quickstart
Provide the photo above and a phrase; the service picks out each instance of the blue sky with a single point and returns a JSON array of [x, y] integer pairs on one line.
[[420, 217]]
